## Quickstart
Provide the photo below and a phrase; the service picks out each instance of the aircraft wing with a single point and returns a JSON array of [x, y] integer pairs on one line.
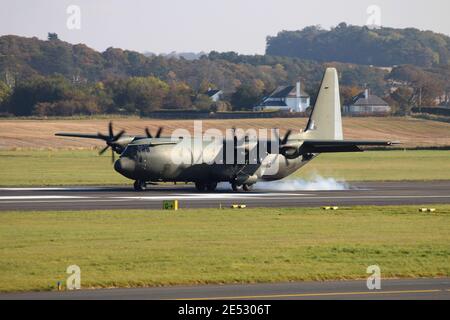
[[329, 146]]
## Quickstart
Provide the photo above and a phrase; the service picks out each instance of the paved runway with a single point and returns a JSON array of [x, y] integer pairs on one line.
[[85, 198], [423, 289]]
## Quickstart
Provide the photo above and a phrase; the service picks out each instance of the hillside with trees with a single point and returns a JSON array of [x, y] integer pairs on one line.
[[363, 45], [56, 78]]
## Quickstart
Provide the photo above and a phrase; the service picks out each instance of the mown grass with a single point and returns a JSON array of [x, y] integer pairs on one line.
[[85, 167], [149, 248]]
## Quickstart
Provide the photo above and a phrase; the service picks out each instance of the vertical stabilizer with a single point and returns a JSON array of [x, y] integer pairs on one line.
[[325, 121]]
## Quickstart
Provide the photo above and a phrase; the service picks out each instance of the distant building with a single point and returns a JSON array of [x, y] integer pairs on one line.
[[288, 98], [366, 103], [214, 94]]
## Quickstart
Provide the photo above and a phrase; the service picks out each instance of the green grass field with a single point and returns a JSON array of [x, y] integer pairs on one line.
[[147, 248], [84, 167]]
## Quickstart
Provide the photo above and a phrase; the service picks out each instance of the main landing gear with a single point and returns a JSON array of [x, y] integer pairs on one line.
[[140, 185], [245, 187], [210, 186]]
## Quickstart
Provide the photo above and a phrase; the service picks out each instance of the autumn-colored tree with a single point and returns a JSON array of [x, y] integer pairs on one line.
[[202, 102], [178, 96]]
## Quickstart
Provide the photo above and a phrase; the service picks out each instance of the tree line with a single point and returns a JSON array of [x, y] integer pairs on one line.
[[363, 45], [56, 78]]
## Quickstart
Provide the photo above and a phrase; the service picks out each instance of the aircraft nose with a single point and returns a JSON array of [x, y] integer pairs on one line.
[[125, 167]]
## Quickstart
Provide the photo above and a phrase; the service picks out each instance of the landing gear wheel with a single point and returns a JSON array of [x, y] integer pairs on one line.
[[235, 187], [139, 185], [247, 187], [211, 186], [200, 186]]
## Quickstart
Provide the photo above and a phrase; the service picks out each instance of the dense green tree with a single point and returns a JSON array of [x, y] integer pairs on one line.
[[245, 97], [361, 45], [38, 89], [203, 102], [5, 92], [52, 36], [140, 94]]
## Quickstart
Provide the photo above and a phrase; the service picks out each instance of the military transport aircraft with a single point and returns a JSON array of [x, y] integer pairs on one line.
[[149, 159]]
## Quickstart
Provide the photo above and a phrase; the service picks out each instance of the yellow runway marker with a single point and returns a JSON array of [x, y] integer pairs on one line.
[[325, 294]]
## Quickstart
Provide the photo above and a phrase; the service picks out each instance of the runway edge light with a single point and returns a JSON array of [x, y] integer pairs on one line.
[[330, 208], [427, 210]]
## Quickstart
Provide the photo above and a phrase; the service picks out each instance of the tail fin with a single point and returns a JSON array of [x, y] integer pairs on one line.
[[325, 121]]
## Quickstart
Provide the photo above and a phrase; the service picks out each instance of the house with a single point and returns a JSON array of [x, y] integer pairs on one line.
[[366, 103], [214, 94], [288, 98]]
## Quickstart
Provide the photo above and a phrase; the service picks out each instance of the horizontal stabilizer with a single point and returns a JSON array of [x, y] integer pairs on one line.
[[79, 135], [328, 146]]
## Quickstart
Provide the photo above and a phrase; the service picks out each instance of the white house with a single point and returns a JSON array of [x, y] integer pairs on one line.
[[215, 95], [288, 98], [366, 103]]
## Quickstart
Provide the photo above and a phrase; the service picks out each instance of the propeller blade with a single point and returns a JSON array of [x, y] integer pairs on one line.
[[119, 135], [103, 150], [102, 136], [148, 133], [110, 130], [158, 133], [286, 137]]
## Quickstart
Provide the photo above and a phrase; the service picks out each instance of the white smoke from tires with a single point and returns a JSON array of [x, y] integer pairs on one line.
[[316, 183]]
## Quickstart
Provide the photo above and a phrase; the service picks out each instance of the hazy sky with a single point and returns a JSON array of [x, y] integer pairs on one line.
[[163, 26]]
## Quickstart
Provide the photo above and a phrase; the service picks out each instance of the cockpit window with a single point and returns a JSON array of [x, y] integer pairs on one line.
[[130, 152], [133, 150]]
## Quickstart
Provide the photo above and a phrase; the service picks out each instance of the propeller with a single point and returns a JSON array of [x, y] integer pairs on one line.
[[111, 140], [282, 142], [149, 134]]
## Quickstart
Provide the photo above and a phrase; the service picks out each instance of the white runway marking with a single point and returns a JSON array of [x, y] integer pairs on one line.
[[213, 196], [40, 197], [55, 189], [278, 197]]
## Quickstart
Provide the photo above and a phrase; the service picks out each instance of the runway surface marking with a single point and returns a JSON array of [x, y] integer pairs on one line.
[[56, 189], [202, 196], [49, 197], [52, 198], [324, 294], [434, 288], [123, 197]]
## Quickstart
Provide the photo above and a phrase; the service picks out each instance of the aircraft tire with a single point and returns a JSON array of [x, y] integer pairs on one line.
[[200, 186], [212, 186], [247, 187], [235, 187], [139, 185]]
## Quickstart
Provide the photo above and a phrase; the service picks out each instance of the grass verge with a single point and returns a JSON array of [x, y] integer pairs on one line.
[[130, 248]]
